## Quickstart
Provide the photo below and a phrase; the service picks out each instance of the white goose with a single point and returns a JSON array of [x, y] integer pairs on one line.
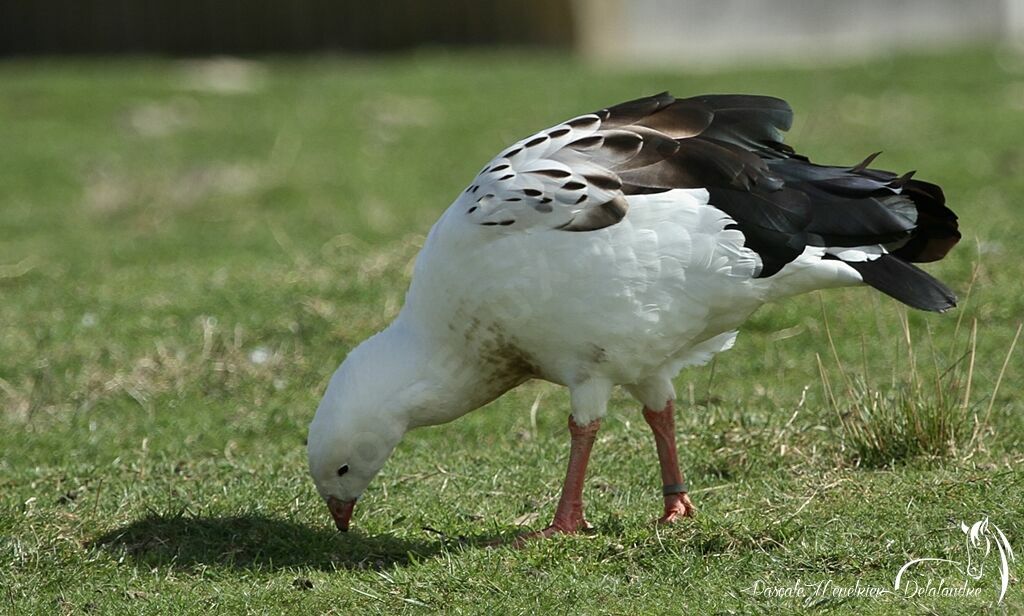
[[616, 249]]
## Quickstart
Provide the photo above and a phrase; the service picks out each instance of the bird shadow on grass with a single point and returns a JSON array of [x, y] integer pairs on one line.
[[262, 543]]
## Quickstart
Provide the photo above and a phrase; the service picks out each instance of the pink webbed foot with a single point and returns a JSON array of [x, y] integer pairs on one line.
[[677, 501], [569, 512], [677, 507], [557, 527]]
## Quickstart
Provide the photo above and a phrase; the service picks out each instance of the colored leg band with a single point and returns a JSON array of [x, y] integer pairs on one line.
[[674, 488]]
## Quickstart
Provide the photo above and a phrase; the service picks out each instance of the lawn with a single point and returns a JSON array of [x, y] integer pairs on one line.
[[189, 249]]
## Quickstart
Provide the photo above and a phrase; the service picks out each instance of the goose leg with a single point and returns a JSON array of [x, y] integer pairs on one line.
[[569, 513], [677, 501]]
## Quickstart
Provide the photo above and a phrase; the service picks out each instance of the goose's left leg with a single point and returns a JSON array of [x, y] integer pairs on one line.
[[677, 501], [569, 513]]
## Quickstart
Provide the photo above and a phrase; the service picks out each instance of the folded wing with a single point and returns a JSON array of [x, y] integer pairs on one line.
[[578, 176]]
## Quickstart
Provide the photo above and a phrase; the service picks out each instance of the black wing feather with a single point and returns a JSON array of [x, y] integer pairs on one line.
[[780, 200], [906, 282]]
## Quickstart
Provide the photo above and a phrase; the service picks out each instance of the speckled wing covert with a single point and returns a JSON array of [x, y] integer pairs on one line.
[[579, 175]]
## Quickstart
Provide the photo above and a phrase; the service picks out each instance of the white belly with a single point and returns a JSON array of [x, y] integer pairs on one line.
[[622, 302]]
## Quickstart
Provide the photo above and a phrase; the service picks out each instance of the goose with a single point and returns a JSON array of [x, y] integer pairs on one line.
[[615, 249]]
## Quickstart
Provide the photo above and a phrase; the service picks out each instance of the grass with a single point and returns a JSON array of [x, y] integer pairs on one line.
[[918, 412], [188, 249]]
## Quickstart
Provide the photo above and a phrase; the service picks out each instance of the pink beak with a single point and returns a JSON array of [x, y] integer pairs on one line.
[[341, 511]]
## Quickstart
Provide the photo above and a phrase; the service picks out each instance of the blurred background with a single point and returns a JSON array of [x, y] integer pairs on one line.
[[659, 31]]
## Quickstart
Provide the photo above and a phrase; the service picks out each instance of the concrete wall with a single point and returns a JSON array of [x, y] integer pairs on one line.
[[1015, 21], [703, 32]]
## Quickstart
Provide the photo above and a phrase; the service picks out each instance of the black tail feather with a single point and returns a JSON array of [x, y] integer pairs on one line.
[[937, 229], [905, 282], [731, 145]]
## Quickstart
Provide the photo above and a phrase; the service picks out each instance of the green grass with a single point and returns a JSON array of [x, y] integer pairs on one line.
[[182, 268]]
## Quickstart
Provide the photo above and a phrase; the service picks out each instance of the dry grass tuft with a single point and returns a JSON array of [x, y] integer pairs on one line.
[[924, 410]]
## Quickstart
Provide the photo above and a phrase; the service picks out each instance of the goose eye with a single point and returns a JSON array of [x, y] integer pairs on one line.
[[342, 470]]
